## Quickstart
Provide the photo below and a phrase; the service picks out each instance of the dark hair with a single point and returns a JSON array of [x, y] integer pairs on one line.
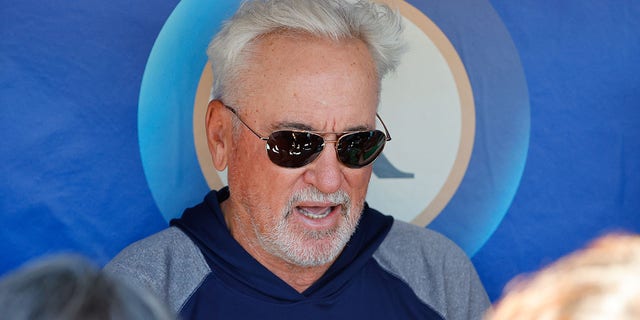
[[70, 287]]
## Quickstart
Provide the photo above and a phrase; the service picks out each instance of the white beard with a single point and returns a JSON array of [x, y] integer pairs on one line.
[[308, 248]]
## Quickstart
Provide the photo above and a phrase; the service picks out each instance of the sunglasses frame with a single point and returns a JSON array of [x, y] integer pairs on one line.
[[339, 135]]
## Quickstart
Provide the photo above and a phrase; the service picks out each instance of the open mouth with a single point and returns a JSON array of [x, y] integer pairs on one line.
[[316, 212]]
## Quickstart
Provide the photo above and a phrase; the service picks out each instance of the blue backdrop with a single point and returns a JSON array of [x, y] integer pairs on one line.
[[73, 177]]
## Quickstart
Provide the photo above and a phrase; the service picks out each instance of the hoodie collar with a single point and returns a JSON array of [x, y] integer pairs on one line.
[[206, 226]]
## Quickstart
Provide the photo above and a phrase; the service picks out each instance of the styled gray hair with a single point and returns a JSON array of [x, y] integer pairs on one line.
[[377, 25], [70, 287]]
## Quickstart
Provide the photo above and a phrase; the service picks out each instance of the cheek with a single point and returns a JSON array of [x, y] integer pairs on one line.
[[247, 156], [358, 182], [255, 181], [244, 169]]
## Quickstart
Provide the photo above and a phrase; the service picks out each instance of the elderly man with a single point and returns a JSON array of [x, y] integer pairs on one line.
[[293, 119]]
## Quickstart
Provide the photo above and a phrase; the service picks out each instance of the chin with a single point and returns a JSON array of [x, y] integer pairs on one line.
[[309, 248]]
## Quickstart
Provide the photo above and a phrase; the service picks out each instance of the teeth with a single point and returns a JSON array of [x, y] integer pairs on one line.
[[314, 215]]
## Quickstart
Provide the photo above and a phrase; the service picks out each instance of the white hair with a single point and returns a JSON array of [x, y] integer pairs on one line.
[[377, 25]]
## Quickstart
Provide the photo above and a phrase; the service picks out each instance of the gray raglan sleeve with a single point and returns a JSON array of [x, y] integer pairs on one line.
[[436, 269], [167, 263]]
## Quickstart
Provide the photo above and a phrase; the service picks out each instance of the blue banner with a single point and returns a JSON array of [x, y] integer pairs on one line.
[[99, 146]]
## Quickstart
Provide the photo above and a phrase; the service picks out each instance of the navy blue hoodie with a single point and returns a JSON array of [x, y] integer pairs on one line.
[[388, 270]]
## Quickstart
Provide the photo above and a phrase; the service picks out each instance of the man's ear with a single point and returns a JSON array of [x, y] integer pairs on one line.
[[219, 133]]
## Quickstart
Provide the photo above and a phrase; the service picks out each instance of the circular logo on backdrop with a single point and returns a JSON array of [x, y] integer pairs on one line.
[[459, 137]]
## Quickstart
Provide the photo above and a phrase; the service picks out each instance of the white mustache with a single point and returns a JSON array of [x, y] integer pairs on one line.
[[340, 198]]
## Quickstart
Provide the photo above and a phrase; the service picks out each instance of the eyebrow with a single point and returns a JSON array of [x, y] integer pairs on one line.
[[284, 125]]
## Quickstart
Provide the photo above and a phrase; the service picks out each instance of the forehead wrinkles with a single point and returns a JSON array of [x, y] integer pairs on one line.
[[293, 72], [264, 57]]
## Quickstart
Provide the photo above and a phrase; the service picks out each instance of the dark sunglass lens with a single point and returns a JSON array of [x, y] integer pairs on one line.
[[359, 149], [292, 149]]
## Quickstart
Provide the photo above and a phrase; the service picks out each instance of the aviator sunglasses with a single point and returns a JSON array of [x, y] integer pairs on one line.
[[297, 148]]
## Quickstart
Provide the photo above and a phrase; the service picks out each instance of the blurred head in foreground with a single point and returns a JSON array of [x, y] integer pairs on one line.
[[69, 287], [601, 281]]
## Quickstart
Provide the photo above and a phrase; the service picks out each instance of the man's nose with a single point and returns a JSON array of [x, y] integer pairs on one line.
[[325, 172]]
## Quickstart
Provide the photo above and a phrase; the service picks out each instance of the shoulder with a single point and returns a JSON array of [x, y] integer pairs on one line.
[[168, 263], [435, 268], [406, 240]]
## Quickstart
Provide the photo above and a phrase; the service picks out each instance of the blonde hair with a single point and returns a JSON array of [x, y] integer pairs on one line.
[[601, 281]]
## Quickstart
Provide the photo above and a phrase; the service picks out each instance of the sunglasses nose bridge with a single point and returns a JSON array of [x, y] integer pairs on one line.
[[335, 139], [331, 138], [329, 160]]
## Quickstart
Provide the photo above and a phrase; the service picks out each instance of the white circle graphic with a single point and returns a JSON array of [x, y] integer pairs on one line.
[[442, 168]]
